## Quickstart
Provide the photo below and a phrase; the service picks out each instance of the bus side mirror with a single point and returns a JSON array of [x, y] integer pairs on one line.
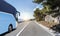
[[18, 13]]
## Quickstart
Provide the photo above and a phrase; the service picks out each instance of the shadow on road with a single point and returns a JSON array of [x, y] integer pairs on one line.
[[3, 34]]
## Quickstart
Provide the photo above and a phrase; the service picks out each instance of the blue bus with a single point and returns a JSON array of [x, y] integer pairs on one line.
[[8, 17]]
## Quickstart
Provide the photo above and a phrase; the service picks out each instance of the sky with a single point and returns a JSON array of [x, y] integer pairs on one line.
[[25, 7]]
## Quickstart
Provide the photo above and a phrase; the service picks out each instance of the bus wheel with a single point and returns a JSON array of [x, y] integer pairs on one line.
[[10, 28]]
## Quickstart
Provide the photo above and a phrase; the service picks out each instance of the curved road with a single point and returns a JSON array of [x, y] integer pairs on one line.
[[32, 29]]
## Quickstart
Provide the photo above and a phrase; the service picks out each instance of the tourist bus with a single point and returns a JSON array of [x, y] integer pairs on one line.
[[8, 17]]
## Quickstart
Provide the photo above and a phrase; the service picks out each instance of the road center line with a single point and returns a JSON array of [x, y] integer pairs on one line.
[[22, 29]]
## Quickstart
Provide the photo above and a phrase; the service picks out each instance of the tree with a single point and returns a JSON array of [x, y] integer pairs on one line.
[[37, 1], [38, 14], [49, 7], [52, 3]]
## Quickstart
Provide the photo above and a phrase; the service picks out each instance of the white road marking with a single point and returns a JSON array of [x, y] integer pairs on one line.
[[46, 29], [22, 29]]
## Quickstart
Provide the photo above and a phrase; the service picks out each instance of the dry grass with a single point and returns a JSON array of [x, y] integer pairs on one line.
[[47, 24]]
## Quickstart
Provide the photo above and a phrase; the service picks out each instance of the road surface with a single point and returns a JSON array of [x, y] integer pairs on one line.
[[20, 26], [32, 29]]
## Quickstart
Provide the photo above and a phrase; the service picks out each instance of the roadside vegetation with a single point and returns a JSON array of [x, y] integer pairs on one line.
[[49, 7]]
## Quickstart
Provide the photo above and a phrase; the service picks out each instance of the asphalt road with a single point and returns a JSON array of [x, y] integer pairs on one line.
[[32, 29], [15, 32]]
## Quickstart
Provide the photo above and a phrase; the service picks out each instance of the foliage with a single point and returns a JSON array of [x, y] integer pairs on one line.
[[52, 3], [50, 6], [38, 14], [37, 1]]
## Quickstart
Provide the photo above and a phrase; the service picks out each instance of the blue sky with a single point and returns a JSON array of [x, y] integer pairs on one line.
[[25, 7]]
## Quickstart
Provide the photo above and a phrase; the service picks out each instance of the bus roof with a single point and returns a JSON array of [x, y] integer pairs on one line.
[[6, 7]]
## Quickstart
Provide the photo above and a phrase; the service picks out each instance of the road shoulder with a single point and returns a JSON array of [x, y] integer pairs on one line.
[[46, 29]]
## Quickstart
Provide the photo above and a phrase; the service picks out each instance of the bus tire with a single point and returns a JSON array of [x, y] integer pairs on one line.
[[10, 28]]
